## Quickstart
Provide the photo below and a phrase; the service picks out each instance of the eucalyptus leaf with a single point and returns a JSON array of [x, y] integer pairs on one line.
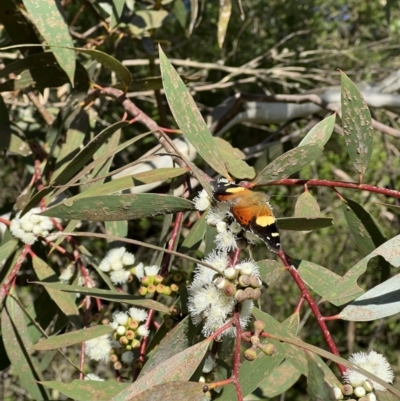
[[188, 116], [289, 163], [118, 207], [357, 125]]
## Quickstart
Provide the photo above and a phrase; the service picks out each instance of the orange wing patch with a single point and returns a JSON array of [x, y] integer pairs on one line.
[[251, 210]]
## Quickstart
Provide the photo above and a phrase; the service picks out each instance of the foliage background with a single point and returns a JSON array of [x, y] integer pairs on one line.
[[298, 46]]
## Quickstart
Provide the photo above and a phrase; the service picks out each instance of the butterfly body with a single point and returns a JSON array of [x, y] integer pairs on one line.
[[251, 210]]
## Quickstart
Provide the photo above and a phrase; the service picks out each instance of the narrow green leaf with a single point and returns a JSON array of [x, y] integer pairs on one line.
[[145, 20], [377, 303], [279, 381], [270, 270], [30, 62], [117, 8], [188, 116], [181, 13], [74, 337], [289, 163], [19, 349], [117, 228], [195, 236], [320, 379], [319, 279], [357, 125], [173, 391], [42, 311], [321, 133], [225, 11], [233, 158], [306, 206], [76, 164], [390, 250], [118, 207], [119, 184], [7, 249], [395, 208], [176, 341], [5, 127], [365, 231], [112, 64], [85, 170], [50, 23], [304, 223], [18, 26], [74, 138], [65, 302], [47, 77], [178, 368], [84, 390], [108, 295]]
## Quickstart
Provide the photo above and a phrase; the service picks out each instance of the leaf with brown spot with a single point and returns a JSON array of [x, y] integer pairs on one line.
[[289, 163], [52, 26], [356, 124], [178, 368], [118, 207], [188, 116]]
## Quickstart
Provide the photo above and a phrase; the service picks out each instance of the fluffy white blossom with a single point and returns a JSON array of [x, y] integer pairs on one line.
[[226, 241], [374, 363], [143, 331], [30, 226], [140, 315], [67, 273], [152, 270], [98, 348], [116, 259], [204, 275], [119, 319], [217, 214], [202, 201], [248, 267], [210, 305], [138, 271], [120, 276]]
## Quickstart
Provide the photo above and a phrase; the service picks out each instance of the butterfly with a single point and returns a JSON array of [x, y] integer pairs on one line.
[[251, 210]]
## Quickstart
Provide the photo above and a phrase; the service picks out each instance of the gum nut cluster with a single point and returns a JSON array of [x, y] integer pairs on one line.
[[31, 226], [213, 294], [152, 282], [118, 263], [128, 332]]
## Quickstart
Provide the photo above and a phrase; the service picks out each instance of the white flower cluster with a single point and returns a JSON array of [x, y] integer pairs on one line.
[[220, 217], [115, 262], [202, 201], [99, 348], [31, 226], [374, 363], [127, 331], [359, 385], [210, 304]]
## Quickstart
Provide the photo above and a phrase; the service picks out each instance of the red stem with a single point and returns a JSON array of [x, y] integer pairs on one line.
[[13, 273], [307, 296], [236, 360], [333, 184]]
